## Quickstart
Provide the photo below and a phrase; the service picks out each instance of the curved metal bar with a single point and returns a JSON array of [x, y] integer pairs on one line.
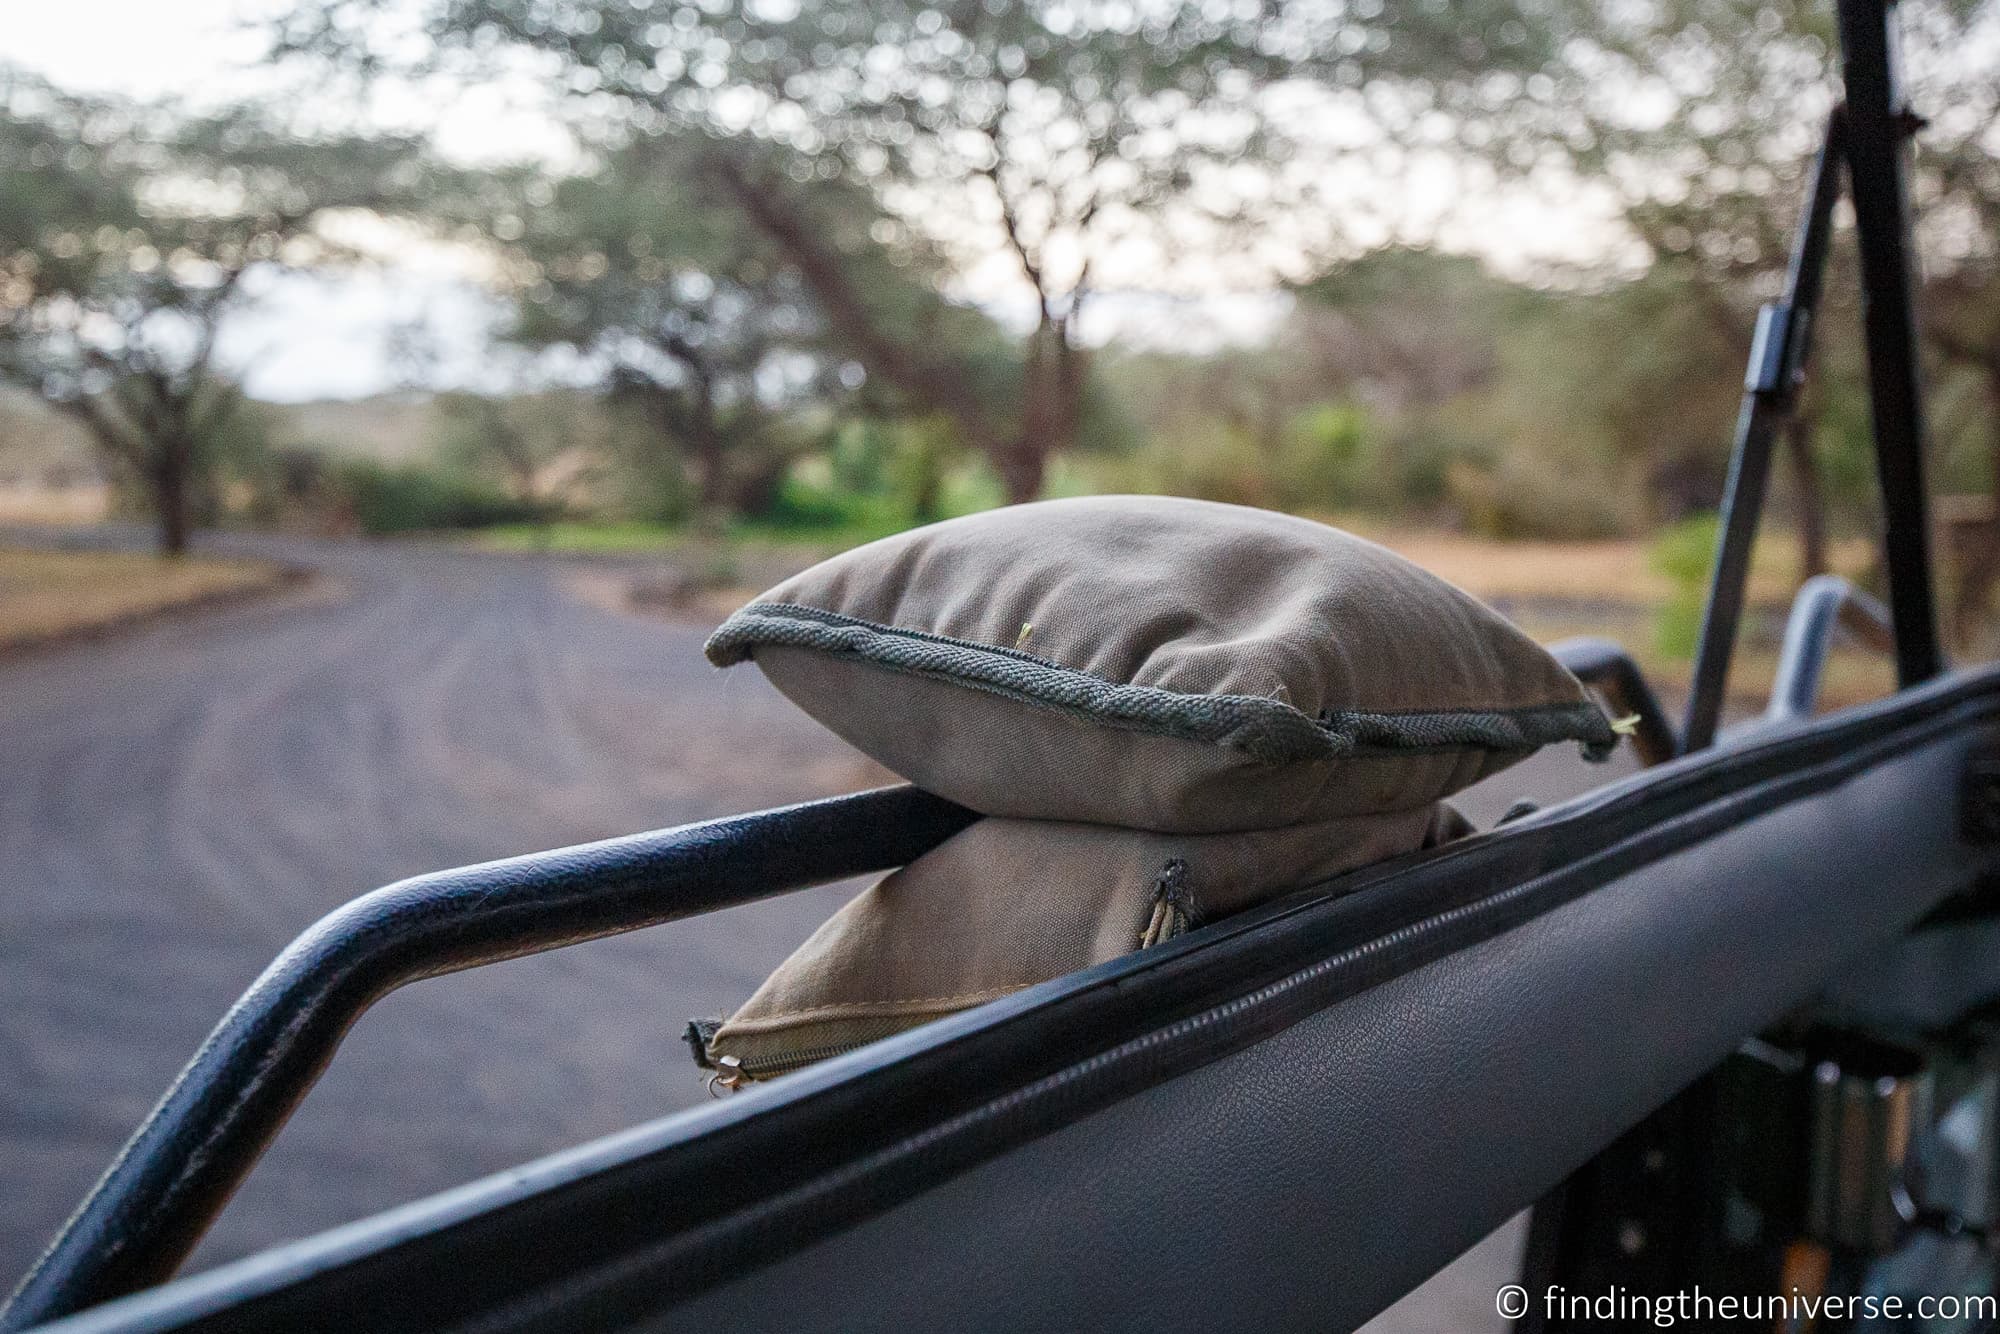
[[181, 1166], [1601, 663], [1825, 603]]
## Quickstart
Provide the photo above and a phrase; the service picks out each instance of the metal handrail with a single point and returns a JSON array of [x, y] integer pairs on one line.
[[1609, 668], [1825, 604], [182, 1165]]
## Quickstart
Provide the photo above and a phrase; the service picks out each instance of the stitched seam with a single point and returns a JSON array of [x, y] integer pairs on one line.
[[1267, 729]]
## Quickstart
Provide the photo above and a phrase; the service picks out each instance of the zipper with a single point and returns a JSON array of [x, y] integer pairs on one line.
[[733, 1072], [1172, 915], [833, 1151], [729, 1073]]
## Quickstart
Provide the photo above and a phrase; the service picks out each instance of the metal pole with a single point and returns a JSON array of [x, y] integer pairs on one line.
[[1878, 123], [1770, 391]]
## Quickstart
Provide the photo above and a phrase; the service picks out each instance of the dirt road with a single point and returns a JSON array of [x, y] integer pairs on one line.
[[176, 803]]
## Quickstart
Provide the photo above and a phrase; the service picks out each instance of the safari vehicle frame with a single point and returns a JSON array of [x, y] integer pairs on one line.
[[1284, 1119]]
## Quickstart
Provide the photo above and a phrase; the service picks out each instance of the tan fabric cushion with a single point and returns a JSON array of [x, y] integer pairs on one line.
[[1009, 903], [1161, 664]]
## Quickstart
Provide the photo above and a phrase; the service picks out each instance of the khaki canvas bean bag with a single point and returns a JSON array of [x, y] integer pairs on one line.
[[1174, 709], [1009, 903], [1159, 664]]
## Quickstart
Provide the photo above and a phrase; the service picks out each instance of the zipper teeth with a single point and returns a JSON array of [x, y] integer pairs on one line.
[[938, 1137], [1195, 1023], [1271, 991], [796, 1060], [780, 1223]]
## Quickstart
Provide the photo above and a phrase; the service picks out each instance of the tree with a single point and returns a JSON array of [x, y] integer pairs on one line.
[[1046, 136], [690, 317], [1522, 409], [126, 243], [545, 446], [1696, 121], [736, 313]]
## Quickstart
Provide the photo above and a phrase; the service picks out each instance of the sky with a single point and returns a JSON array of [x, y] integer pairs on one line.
[[316, 337], [143, 48]]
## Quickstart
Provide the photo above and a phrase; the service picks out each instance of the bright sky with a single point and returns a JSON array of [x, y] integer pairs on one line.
[[328, 338], [145, 48]]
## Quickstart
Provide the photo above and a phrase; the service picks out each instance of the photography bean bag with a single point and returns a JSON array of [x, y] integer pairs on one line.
[[1159, 664], [1172, 710]]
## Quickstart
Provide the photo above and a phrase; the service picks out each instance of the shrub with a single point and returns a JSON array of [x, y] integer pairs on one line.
[[1682, 552], [412, 498], [1322, 460]]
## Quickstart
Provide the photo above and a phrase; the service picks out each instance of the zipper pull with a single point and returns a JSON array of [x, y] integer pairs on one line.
[[1173, 905], [728, 1076]]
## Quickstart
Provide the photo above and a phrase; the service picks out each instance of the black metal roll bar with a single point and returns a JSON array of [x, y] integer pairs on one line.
[[1865, 135], [182, 1165]]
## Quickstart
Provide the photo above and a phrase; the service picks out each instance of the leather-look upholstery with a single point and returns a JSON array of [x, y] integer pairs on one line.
[[1307, 1182]]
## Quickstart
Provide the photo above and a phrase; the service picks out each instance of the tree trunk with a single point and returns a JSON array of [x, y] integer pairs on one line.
[[1811, 515], [1051, 406], [171, 500], [1023, 465], [712, 496], [701, 432], [1993, 423]]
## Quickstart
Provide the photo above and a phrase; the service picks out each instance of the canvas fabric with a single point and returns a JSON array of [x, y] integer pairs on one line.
[[1160, 664], [1009, 903]]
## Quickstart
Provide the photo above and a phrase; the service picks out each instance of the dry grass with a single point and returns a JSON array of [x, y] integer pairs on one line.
[[47, 595], [1611, 571], [1852, 676], [32, 503], [1610, 590]]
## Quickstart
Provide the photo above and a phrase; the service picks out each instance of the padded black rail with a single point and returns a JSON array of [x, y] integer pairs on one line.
[[179, 1168]]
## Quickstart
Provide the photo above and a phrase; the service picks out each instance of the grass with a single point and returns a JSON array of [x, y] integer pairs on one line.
[[1617, 571], [46, 595]]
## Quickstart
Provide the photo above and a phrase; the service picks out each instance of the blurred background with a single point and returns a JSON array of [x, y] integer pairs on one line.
[[391, 391]]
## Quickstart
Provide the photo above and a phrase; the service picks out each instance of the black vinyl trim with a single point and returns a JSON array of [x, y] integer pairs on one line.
[[679, 1206]]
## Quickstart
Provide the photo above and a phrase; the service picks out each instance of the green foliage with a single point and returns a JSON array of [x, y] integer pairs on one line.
[[1683, 553], [802, 507], [1323, 458], [879, 478], [414, 498]]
